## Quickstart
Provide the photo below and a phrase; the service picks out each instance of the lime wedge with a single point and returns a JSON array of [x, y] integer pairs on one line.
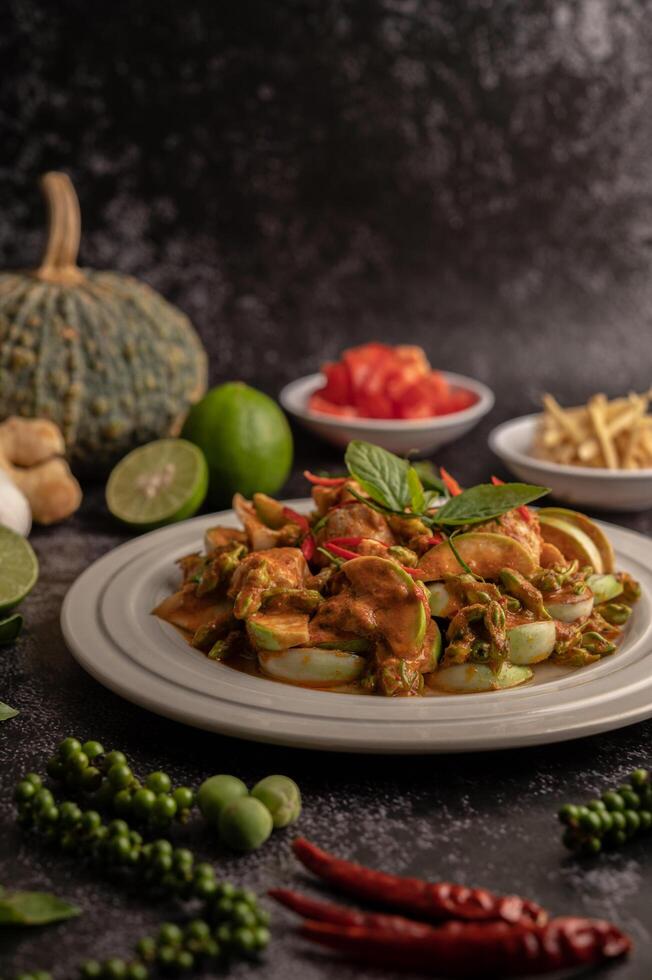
[[156, 484], [18, 568]]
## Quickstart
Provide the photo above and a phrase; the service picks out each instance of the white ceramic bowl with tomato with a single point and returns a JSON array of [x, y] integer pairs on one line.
[[621, 490], [402, 436]]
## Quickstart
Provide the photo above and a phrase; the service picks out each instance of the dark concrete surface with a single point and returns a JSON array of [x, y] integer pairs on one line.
[[297, 176]]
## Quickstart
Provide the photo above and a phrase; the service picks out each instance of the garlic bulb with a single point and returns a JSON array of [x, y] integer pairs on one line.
[[15, 512]]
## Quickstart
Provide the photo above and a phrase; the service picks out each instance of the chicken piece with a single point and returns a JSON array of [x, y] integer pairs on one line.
[[222, 537], [551, 556], [327, 497], [260, 537], [271, 568], [356, 521], [514, 525], [189, 612]]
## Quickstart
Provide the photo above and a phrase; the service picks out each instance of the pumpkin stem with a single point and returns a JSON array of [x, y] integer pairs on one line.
[[59, 263]]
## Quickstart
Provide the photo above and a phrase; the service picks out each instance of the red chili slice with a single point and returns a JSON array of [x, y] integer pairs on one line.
[[450, 482], [335, 549], [296, 518], [325, 481], [308, 547], [434, 539]]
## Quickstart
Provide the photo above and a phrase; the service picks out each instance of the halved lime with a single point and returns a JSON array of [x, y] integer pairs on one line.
[[18, 568], [156, 484]]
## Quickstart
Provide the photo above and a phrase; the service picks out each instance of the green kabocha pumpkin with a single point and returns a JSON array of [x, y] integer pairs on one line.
[[101, 354]]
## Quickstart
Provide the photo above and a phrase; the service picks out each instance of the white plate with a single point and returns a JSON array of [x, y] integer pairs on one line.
[[107, 624], [397, 435], [590, 486]]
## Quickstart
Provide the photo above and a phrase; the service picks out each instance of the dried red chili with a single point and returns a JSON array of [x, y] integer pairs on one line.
[[431, 901], [478, 949], [318, 911]]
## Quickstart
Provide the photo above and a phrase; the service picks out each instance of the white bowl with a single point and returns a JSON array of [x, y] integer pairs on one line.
[[622, 490], [397, 435]]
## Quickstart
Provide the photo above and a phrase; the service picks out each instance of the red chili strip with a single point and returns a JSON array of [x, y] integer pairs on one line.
[[308, 547], [450, 482], [312, 908], [324, 481], [297, 518], [472, 949], [523, 511], [429, 901], [434, 539], [335, 549]]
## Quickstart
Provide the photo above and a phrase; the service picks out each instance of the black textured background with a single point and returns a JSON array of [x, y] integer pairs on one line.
[[473, 176]]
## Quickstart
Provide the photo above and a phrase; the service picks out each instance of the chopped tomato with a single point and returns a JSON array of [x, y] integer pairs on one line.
[[381, 382], [338, 384]]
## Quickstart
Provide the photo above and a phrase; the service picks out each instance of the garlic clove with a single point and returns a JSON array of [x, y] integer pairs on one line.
[[15, 512]]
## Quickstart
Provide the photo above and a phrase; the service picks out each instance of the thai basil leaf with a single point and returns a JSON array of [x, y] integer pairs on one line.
[[380, 508], [429, 478], [484, 502], [383, 475], [34, 909], [6, 712], [417, 496]]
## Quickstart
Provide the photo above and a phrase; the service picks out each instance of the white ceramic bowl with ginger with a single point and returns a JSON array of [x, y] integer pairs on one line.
[[587, 486]]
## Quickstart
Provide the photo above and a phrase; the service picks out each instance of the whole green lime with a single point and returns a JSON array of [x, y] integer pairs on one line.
[[245, 438]]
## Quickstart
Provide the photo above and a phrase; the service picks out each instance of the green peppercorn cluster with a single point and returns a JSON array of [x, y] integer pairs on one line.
[[105, 781], [113, 846], [610, 821], [234, 927]]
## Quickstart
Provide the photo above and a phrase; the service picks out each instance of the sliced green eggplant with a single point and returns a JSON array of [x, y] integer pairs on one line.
[[571, 607], [604, 587], [469, 678], [312, 667], [571, 540], [590, 528], [269, 511], [440, 600], [530, 643], [278, 631], [484, 553]]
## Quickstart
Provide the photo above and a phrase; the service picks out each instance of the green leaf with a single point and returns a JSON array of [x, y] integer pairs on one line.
[[34, 909], [484, 502], [430, 478], [383, 475], [417, 496], [6, 712]]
